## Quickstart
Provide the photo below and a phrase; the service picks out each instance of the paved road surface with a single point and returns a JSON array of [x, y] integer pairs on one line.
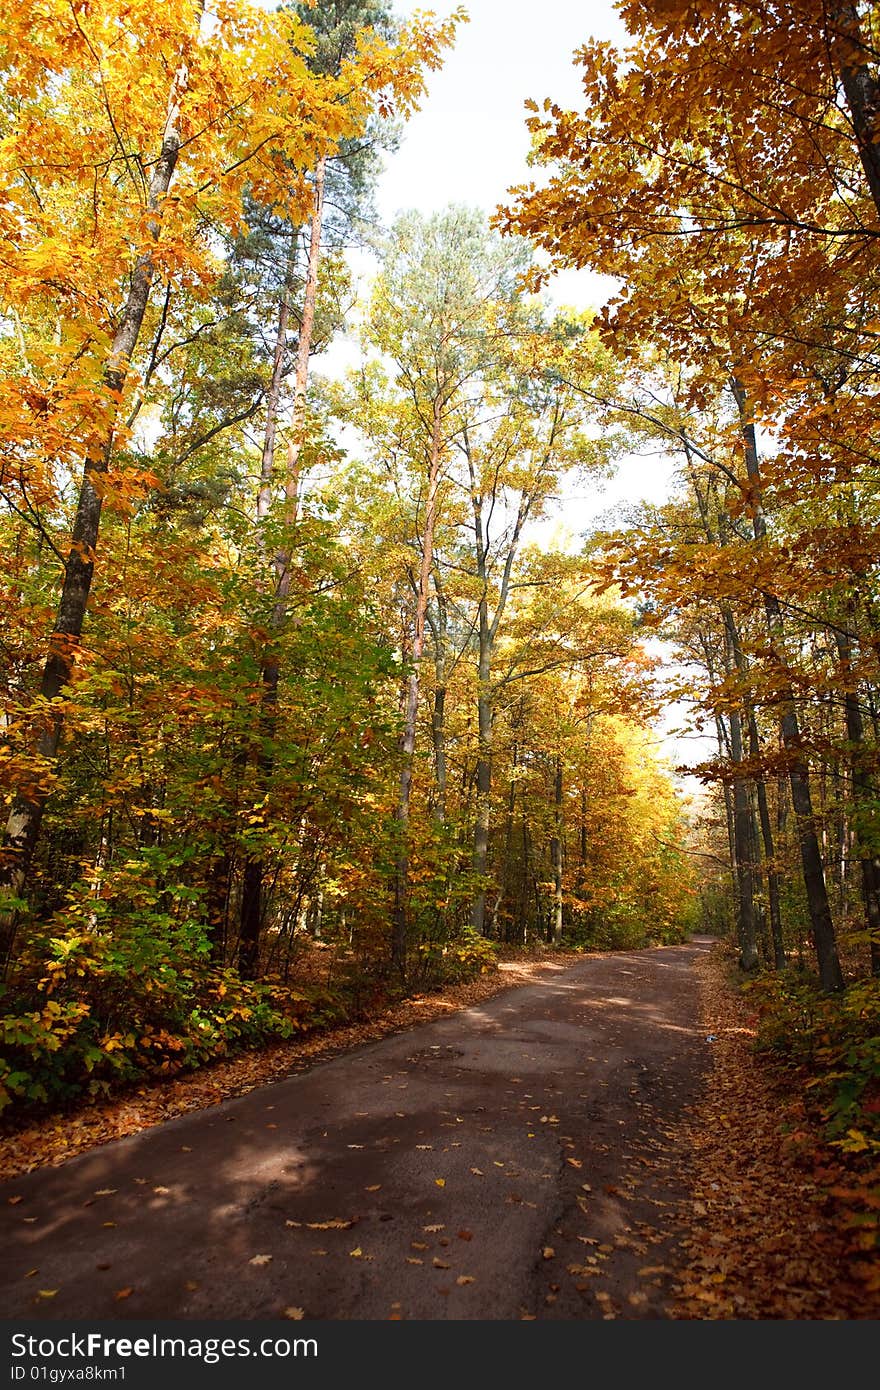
[[520, 1146]]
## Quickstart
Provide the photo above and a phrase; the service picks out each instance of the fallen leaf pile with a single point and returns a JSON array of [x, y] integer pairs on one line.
[[53, 1139], [770, 1233]]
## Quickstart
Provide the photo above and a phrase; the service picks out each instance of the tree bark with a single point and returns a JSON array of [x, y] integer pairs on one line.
[[484, 773], [304, 348], [273, 396], [761, 795], [861, 90], [821, 921], [487, 632], [556, 853], [864, 798], [399, 923], [742, 839], [769, 849], [252, 905], [439, 625]]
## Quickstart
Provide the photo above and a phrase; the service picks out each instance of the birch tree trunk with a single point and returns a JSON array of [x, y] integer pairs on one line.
[[411, 707]]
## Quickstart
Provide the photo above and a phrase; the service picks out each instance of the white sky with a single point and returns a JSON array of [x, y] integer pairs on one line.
[[469, 142]]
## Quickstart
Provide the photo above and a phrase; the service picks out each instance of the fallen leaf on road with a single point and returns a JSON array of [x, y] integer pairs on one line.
[[31, 1272], [413, 1260], [464, 1279], [47, 1293], [440, 1182], [106, 1191], [124, 1293], [336, 1224], [465, 1235], [294, 1314], [432, 1230], [375, 1188], [440, 1264], [357, 1253], [575, 1162], [548, 1252], [162, 1191], [260, 1260], [293, 1223], [478, 1173]]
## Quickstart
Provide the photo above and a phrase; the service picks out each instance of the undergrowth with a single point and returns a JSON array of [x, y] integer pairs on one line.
[[829, 1045]]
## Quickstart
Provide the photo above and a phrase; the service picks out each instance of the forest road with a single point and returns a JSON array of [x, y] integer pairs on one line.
[[517, 1159]]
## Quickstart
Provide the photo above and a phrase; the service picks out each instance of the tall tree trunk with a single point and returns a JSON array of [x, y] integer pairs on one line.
[[769, 848], [860, 87], [439, 627], [761, 794], [399, 925], [864, 799], [487, 632], [297, 435], [25, 818], [557, 853], [729, 738], [273, 395], [484, 773], [252, 892], [742, 838], [507, 862], [821, 921], [742, 820]]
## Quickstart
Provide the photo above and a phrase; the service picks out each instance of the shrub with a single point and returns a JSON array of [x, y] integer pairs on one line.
[[834, 1040]]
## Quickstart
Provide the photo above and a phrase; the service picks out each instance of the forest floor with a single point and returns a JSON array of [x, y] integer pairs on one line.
[[778, 1223], [598, 1142]]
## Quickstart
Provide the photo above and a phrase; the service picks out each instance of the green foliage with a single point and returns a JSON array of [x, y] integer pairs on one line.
[[462, 957], [832, 1045], [136, 996]]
